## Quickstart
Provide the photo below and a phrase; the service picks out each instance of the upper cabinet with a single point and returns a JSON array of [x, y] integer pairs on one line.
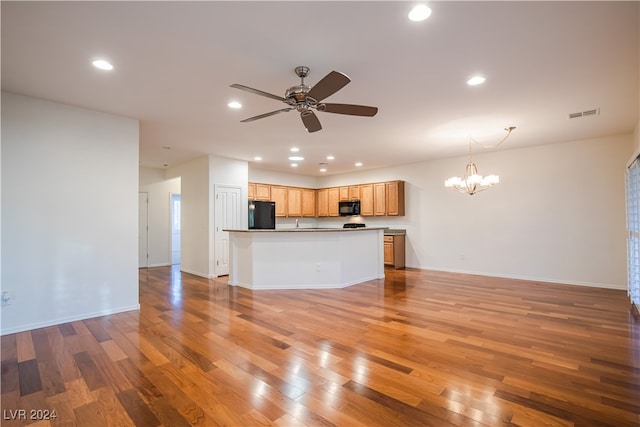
[[366, 199], [395, 198], [380, 199], [294, 201], [279, 195], [376, 199], [334, 199], [354, 192], [308, 202], [323, 201]]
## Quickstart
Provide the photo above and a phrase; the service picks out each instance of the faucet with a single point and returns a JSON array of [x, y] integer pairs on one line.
[[297, 225]]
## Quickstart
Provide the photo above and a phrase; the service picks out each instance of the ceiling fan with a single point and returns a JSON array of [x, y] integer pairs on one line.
[[304, 99]]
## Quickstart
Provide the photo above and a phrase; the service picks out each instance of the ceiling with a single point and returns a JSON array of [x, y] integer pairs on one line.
[[174, 62]]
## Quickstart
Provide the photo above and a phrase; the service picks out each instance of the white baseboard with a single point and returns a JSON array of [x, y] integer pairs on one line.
[[69, 319], [197, 273], [529, 278]]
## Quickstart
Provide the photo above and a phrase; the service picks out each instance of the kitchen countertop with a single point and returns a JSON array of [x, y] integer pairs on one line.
[[394, 232]]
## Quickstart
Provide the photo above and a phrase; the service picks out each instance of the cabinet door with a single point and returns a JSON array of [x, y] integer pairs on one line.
[[294, 201], [263, 192], [388, 250], [279, 195], [380, 198], [334, 199], [251, 191], [354, 192], [366, 200], [395, 198], [308, 202], [323, 202], [344, 194]]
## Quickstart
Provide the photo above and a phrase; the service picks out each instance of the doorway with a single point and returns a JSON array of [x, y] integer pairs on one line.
[[143, 230], [175, 229]]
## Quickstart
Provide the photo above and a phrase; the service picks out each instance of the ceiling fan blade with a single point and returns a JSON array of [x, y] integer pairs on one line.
[[258, 92], [353, 110], [262, 116], [330, 84], [310, 121]]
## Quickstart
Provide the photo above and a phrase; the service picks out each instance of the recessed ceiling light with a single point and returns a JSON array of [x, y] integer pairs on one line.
[[419, 13], [294, 149], [330, 157], [475, 80], [257, 158], [358, 164], [294, 165], [102, 64], [323, 169], [296, 158], [234, 104]]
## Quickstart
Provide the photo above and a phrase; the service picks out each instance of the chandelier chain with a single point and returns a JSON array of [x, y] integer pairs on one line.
[[508, 129]]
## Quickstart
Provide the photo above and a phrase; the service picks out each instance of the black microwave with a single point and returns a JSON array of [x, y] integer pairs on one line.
[[349, 208]]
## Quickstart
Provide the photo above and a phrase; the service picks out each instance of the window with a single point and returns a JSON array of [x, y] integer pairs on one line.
[[633, 231]]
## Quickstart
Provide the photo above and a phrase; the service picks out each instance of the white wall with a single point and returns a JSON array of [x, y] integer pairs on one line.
[[198, 180], [159, 189], [194, 213], [557, 214], [69, 220], [280, 178]]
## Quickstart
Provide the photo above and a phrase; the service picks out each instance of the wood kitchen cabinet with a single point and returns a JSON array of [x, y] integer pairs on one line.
[[344, 194], [354, 192], [294, 202], [259, 191], [279, 195], [380, 199], [334, 200], [322, 198], [394, 252], [308, 202], [366, 200], [395, 198]]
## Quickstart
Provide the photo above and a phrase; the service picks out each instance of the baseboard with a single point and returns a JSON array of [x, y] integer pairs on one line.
[[197, 273], [530, 278], [64, 320]]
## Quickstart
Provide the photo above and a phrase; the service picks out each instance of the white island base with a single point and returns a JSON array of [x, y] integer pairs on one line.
[[301, 258]]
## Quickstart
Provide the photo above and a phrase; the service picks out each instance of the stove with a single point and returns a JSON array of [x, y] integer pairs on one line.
[[353, 225]]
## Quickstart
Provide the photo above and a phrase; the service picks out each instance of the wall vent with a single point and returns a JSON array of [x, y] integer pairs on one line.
[[594, 112]]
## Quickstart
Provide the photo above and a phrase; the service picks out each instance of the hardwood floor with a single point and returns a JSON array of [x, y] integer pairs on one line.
[[418, 348]]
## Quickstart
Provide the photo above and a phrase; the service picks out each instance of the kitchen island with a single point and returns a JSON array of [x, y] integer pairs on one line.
[[305, 258]]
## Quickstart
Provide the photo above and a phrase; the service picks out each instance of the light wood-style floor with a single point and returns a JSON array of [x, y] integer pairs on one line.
[[418, 348]]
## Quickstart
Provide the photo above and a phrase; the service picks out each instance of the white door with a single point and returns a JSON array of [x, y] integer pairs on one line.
[[175, 229], [228, 214], [633, 231], [143, 230]]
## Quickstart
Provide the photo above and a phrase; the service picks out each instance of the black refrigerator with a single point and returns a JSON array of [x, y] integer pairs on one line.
[[262, 215]]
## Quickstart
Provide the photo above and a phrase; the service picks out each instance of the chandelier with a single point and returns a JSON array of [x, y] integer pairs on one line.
[[472, 182]]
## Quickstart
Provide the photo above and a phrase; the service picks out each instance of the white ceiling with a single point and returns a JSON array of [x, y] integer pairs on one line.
[[174, 62]]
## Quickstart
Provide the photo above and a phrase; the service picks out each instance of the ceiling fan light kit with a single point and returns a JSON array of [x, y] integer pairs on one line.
[[304, 99]]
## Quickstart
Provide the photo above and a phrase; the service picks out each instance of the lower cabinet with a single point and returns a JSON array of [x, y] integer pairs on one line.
[[394, 255]]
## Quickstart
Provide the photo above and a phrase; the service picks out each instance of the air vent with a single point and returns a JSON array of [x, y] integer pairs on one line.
[[593, 112]]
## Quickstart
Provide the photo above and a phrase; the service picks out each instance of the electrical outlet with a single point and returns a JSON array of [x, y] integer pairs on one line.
[[317, 266], [6, 298]]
